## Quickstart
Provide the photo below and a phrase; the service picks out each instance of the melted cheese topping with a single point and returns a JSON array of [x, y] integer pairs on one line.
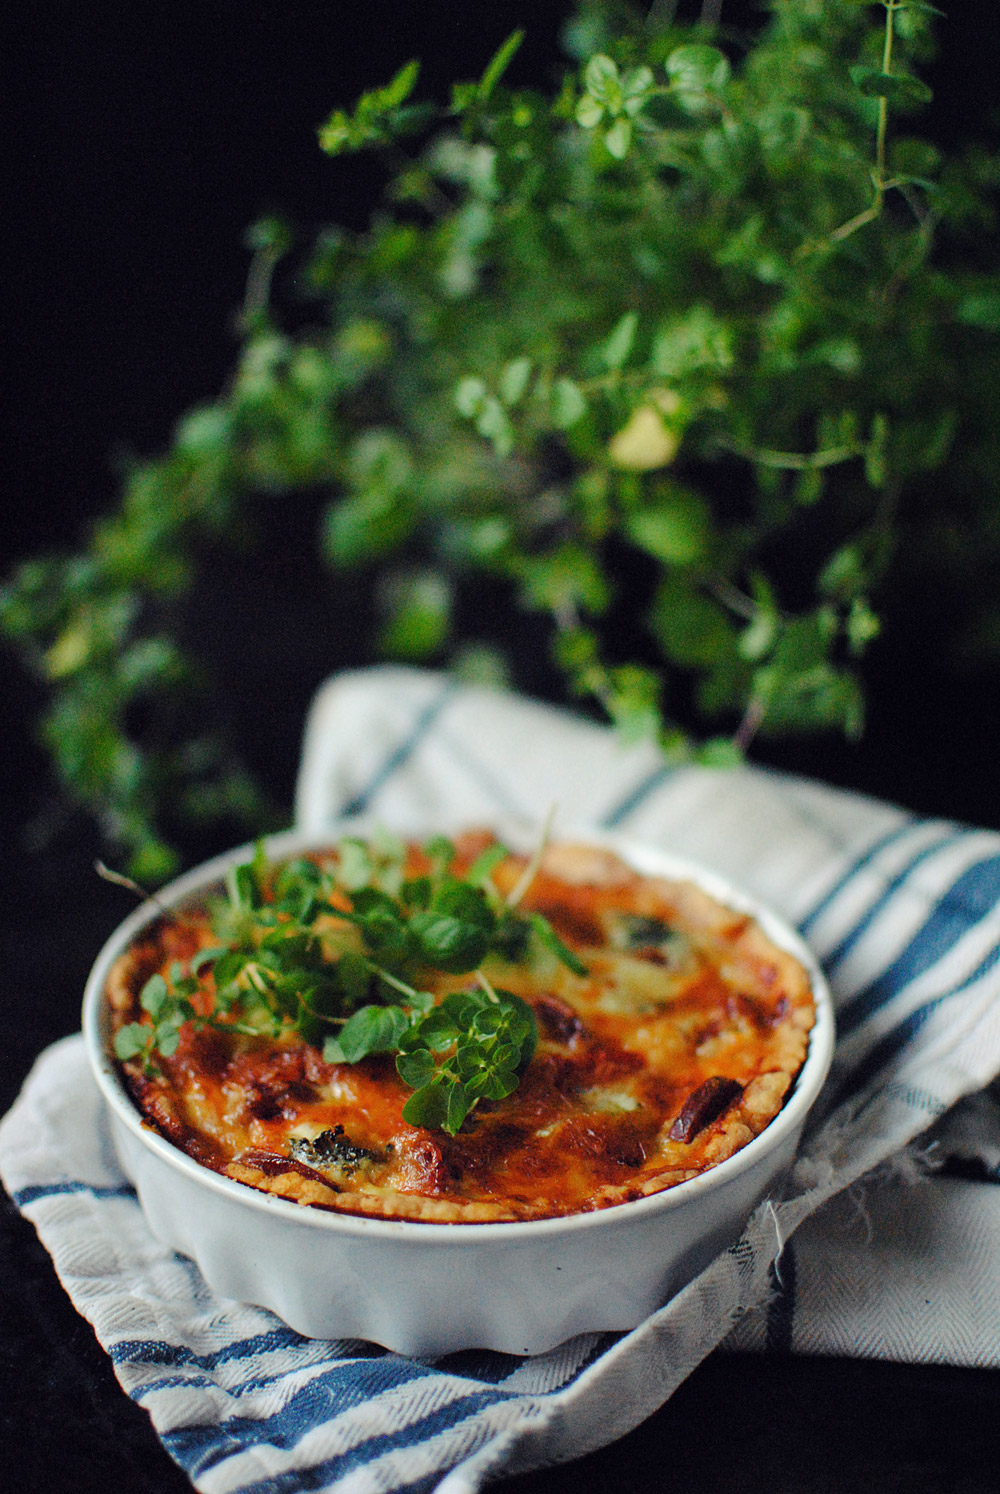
[[677, 1048]]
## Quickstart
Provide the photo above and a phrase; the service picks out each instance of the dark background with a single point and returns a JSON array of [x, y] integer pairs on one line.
[[141, 142]]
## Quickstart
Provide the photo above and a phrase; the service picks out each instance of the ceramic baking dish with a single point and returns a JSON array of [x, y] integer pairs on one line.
[[426, 1289]]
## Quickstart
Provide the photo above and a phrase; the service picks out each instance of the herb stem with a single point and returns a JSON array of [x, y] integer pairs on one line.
[[794, 461], [119, 880], [258, 286], [730, 596], [391, 980], [484, 981], [526, 878], [394, 981], [748, 728], [891, 6], [879, 180]]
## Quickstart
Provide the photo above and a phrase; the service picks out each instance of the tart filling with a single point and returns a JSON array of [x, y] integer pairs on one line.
[[668, 1030]]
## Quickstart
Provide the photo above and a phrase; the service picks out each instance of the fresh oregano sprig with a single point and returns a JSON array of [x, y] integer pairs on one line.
[[696, 349], [168, 1000], [333, 953], [472, 1045]]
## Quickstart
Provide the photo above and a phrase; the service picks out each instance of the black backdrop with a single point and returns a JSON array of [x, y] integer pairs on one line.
[[141, 141]]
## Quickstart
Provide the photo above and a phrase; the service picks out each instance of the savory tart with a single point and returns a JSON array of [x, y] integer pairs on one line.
[[456, 1033]]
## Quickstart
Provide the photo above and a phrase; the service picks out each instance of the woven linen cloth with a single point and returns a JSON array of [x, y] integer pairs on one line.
[[891, 1259]]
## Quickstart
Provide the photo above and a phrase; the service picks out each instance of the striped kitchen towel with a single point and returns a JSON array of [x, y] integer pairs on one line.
[[878, 1246]]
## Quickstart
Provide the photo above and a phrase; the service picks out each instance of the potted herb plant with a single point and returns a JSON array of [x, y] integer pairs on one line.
[[673, 355]]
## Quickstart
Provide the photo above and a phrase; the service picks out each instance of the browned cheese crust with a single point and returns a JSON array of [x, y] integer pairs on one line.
[[676, 1049]]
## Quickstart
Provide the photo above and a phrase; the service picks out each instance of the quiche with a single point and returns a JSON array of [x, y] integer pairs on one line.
[[626, 1032]]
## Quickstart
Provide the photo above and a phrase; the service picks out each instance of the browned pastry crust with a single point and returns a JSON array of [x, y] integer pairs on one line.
[[676, 1049]]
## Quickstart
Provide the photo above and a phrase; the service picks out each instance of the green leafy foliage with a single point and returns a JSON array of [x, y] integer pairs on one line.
[[169, 1006], [707, 314], [282, 964], [473, 1045], [378, 117]]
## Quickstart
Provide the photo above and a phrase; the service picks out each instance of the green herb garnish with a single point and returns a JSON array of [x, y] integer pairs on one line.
[[282, 965]]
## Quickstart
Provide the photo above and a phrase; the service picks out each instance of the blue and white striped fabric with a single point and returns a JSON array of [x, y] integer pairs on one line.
[[891, 1259]]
